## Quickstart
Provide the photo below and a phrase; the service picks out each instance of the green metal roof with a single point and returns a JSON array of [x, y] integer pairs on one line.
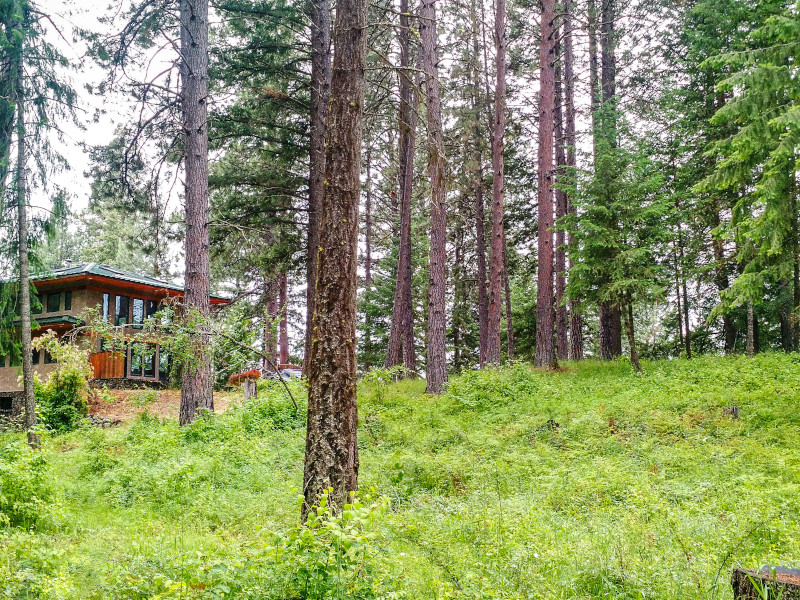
[[102, 270]]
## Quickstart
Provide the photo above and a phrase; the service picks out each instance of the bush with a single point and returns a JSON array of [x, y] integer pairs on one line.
[[25, 492], [62, 398]]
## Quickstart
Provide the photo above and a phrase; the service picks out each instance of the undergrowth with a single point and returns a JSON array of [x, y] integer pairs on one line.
[[592, 482]]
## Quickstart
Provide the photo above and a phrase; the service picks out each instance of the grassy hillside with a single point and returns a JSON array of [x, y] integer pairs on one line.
[[593, 482]]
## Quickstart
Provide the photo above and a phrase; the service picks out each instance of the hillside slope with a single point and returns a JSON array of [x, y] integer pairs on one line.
[[592, 482]]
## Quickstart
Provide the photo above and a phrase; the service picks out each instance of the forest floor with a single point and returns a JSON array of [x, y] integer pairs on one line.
[[592, 482], [124, 405]]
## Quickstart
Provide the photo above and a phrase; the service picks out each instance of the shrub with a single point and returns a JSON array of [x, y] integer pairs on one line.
[[25, 492], [62, 398]]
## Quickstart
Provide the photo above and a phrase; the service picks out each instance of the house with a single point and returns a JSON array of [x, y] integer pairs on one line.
[[124, 297]]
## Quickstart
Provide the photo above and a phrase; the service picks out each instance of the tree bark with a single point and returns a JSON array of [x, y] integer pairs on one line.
[[270, 346], [575, 316], [751, 333], [320, 95], [196, 390], [509, 316], [24, 269], [368, 253], [721, 279], [283, 311], [632, 337], [493, 353], [545, 351], [562, 341], [331, 459], [437, 349], [401, 335], [687, 330], [480, 216]]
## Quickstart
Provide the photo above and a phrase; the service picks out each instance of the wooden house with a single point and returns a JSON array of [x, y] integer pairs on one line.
[[123, 297]]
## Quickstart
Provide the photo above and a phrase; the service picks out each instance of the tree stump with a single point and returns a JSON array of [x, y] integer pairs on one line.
[[771, 583], [250, 388]]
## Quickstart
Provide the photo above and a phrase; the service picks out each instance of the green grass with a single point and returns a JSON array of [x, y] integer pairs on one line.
[[593, 482]]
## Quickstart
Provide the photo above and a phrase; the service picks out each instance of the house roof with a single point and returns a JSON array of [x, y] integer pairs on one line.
[[93, 270]]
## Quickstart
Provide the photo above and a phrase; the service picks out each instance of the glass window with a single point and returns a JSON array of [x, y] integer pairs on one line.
[[138, 312], [35, 358], [136, 361], [163, 364], [36, 304], [106, 306], [67, 300], [152, 308], [150, 361], [53, 302], [121, 311], [48, 360]]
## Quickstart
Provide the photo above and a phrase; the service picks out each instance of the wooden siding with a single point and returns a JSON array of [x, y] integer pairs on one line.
[[108, 365]]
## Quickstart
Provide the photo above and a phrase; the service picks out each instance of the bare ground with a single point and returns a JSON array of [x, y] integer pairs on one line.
[[124, 405]]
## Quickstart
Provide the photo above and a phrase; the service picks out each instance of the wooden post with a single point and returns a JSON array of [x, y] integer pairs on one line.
[[780, 583]]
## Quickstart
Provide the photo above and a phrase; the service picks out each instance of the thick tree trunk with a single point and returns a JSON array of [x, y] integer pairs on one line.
[[24, 269], [545, 348], [196, 391], [401, 335], [320, 94], [437, 350], [283, 310], [631, 337], [575, 317], [331, 446], [562, 341], [493, 353]]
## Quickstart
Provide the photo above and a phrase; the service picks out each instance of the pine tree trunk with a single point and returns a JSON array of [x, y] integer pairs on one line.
[[270, 346], [331, 459], [605, 330], [24, 269], [493, 353], [751, 333], [477, 107], [401, 335], [368, 254], [509, 316], [562, 341], [721, 280], [687, 338], [283, 311], [437, 349], [631, 337], [320, 94], [575, 317], [545, 348], [196, 391]]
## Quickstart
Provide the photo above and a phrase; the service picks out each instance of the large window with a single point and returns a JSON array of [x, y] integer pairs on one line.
[[36, 356], [137, 313], [152, 309], [67, 300], [150, 361], [163, 364], [53, 302], [143, 360], [106, 306], [121, 312]]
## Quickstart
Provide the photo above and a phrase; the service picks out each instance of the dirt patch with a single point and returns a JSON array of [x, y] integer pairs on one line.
[[124, 405]]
